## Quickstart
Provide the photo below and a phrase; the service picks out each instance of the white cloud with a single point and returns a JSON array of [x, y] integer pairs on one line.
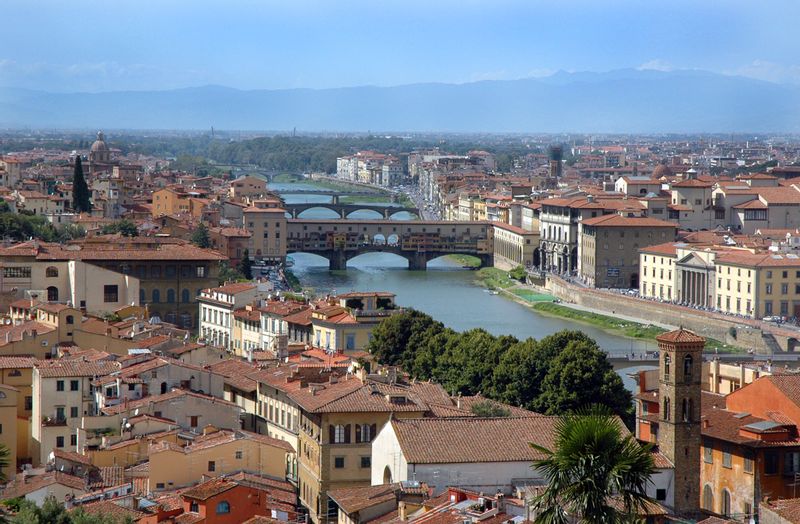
[[656, 64], [769, 71]]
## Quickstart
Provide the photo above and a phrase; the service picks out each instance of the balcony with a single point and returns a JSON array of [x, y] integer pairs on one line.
[[54, 421]]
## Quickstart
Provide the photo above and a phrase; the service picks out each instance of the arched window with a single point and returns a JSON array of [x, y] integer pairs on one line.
[[666, 408], [387, 475], [142, 296], [170, 296], [51, 271], [185, 298], [726, 502], [52, 294], [687, 410], [223, 508], [667, 362], [708, 498], [687, 368], [156, 296]]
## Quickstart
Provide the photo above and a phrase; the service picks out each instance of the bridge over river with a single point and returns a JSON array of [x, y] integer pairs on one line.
[[417, 241]]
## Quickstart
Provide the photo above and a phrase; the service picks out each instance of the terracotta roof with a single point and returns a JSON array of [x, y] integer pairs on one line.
[[74, 368], [110, 509], [788, 509], [615, 220], [751, 204], [209, 488], [466, 440], [22, 484], [235, 372], [16, 362], [666, 249], [351, 500], [692, 183], [258, 519], [232, 289], [779, 195], [170, 395], [72, 456], [679, 336], [189, 517]]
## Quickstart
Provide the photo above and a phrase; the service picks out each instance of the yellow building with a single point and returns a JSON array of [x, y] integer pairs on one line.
[[17, 373], [758, 285], [514, 246], [10, 426], [266, 222], [170, 201], [218, 452]]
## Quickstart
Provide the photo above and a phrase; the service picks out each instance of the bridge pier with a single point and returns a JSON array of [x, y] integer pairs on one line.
[[337, 261], [419, 262], [386, 213], [334, 199]]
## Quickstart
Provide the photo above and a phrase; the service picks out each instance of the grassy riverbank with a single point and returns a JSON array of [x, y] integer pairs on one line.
[[466, 260], [623, 327], [493, 278]]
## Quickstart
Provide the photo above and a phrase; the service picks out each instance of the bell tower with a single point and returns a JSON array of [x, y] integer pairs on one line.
[[680, 369]]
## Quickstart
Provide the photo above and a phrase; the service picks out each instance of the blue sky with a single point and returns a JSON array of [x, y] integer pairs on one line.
[[78, 45]]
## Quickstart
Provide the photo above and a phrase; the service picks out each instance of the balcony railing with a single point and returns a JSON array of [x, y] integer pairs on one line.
[[54, 421]]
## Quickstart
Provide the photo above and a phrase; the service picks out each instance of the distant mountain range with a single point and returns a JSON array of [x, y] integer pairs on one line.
[[624, 101]]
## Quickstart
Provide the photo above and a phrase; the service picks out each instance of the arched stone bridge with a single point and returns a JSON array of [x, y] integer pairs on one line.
[[344, 210], [417, 241]]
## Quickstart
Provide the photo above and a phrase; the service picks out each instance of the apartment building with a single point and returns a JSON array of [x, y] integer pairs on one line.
[[217, 307], [608, 248], [266, 222], [62, 391]]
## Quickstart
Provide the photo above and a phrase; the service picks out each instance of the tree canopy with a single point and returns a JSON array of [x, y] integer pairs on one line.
[[53, 512], [560, 372], [125, 227], [246, 265], [200, 236]]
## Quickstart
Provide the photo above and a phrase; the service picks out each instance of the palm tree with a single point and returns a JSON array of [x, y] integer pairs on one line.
[[597, 473]]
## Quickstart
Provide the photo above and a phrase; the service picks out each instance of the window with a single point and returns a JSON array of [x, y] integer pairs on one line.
[[170, 296], [770, 462], [366, 462], [768, 289], [661, 494], [185, 298], [212, 466], [51, 272], [708, 453], [171, 271], [748, 461], [110, 293], [194, 506], [687, 368], [28, 403], [791, 462], [726, 503], [667, 362], [666, 408], [340, 434], [223, 508], [708, 498], [70, 319], [201, 271], [193, 422], [238, 454], [73, 412], [59, 442], [748, 509], [52, 294], [338, 462], [17, 272], [726, 456], [73, 439], [74, 385], [365, 432], [59, 385], [686, 413], [156, 296]]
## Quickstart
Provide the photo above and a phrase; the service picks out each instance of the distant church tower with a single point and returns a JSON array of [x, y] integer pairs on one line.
[[680, 369]]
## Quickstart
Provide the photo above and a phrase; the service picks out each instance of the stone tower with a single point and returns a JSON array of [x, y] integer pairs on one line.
[[680, 369]]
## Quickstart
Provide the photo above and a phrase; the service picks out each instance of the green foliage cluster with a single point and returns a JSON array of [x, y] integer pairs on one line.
[[554, 375], [200, 236], [54, 512], [21, 227], [196, 165], [229, 274], [292, 280], [596, 472], [124, 227], [518, 273], [487, 408], [246, 265]]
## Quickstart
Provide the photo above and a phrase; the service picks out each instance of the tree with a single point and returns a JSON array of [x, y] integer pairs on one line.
[[229, 274], [595, 468], [487, 408], [579, 375], [246, 265], [391, 342], [124, 227], [518, 273], [200, 236], [80, 191]]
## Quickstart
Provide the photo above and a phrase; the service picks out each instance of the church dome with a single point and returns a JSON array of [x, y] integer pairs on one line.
[[100, 143]]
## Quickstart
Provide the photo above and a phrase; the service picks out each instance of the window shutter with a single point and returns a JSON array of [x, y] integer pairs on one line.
[[347, 434], [372, 432], [332, 432], [358, 432]]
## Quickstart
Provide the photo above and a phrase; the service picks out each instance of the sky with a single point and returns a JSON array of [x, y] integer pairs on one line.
[[80, 45]]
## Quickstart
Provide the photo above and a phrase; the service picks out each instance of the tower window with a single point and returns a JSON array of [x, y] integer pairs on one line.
[[666, 408], [667, 362], [688, 361]]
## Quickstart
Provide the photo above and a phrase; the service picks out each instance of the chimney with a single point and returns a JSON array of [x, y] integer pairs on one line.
[[705, 423], [402, 513], [501, 503]]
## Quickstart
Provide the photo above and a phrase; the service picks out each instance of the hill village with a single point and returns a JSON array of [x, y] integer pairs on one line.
[[155, 367]]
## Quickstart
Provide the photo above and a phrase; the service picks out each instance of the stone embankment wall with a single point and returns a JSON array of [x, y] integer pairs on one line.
[[748, 334]]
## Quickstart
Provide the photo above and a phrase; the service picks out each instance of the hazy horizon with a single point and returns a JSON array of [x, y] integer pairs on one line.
[[84, 46]]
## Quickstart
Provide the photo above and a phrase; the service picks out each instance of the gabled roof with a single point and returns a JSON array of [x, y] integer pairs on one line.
[[473, 439]]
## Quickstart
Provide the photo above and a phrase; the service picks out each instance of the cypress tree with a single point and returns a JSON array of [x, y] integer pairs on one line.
[[80, 191], [246, 265]]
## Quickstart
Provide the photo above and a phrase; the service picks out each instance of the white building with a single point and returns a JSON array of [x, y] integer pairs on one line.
[[217, 306]]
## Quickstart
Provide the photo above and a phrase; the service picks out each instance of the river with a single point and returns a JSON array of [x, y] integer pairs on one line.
[[445, 291]]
